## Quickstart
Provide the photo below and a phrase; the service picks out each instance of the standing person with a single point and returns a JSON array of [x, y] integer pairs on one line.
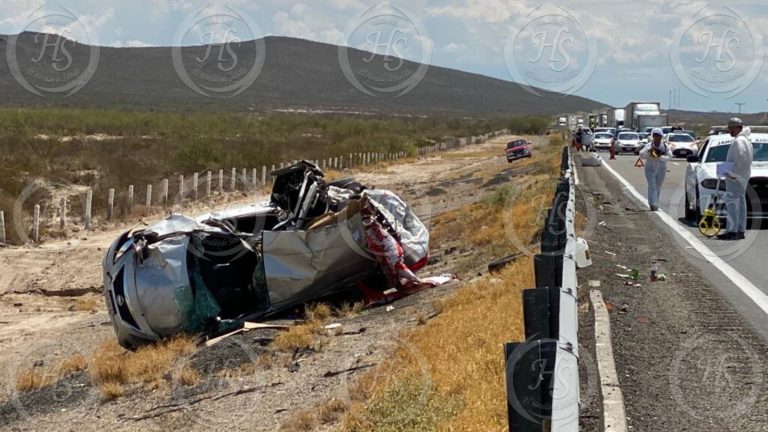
[[739, 159], [656, 156], [579, 137]]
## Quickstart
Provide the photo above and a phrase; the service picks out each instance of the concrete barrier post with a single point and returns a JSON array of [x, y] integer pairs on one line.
[[195, 180], [165, 193], [88, 203], [130, 198], [2, 228], [149, 198], [111, 204]]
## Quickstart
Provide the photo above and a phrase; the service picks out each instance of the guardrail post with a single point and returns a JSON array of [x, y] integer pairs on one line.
[[529, 380]]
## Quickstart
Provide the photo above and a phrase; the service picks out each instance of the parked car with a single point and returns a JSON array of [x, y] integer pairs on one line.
[[681, 144], [519, 148], [701, 176], [211, 274], [602, 140], [627, 142]]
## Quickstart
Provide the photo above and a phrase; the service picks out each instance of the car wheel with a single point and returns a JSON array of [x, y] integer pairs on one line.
[[689, 214]]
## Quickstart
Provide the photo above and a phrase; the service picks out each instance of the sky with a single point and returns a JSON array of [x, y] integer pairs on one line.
[[708, 55]]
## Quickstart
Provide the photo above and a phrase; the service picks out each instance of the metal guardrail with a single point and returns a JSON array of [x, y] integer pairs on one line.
[[542, 373]]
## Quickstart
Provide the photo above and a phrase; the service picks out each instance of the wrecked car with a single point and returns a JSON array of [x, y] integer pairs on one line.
[[311, 239]]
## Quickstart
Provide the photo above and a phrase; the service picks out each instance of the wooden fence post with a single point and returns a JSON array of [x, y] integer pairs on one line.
[[221, 182], [208, 181], [232, 180], [255, 183]]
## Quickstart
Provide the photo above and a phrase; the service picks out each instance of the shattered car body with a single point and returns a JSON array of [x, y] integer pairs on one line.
[[310, 240]]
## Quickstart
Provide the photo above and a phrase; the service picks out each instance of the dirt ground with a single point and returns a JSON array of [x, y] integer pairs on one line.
[[686, 360], [51, 309]]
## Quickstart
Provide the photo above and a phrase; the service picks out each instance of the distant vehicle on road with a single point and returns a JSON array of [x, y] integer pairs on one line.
[[602, 140], [627, 142], [519, 148], [681, 144], [701, 176]]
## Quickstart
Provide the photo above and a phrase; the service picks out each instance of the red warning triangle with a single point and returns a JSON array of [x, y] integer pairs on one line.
[[639, 163]]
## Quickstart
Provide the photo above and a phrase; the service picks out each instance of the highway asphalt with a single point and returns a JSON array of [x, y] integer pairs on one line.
[[747, 256]]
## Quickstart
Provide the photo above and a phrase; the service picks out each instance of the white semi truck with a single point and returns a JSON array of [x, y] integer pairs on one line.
[[641, 115]]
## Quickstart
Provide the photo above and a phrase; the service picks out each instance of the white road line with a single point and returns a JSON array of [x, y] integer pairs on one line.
[[614, 414], [744, 284]]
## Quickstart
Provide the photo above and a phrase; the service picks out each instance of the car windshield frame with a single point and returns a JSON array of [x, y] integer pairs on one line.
[[623, 136], [603, 135], [718, 153], [685, 138]]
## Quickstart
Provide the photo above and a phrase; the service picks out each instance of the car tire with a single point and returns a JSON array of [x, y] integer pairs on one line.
[[689, 214]]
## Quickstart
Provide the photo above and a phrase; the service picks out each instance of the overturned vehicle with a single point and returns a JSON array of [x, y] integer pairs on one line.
[[311, 239]]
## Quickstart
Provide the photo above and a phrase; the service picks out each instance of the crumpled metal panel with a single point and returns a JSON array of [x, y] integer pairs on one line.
[[414, 237], [159, 280], [302, 265]]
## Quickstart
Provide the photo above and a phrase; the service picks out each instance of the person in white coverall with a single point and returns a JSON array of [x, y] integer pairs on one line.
[[736, 180], [655, 154]]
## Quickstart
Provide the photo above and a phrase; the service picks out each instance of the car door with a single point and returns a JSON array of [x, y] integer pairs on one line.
[[691, 182]]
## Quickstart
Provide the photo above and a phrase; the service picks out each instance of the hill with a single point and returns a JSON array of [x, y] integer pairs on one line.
[[296, 74]]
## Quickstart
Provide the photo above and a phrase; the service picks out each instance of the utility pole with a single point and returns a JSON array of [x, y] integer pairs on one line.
[[740, 104]]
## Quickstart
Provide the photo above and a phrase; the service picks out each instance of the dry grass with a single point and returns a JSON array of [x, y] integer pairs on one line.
[[40, 376], [317, 312], [89, 304], [331, 411], [303, 421], [189, 376], [114, 366], [349, 310], [298, 337], [467, 336]]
